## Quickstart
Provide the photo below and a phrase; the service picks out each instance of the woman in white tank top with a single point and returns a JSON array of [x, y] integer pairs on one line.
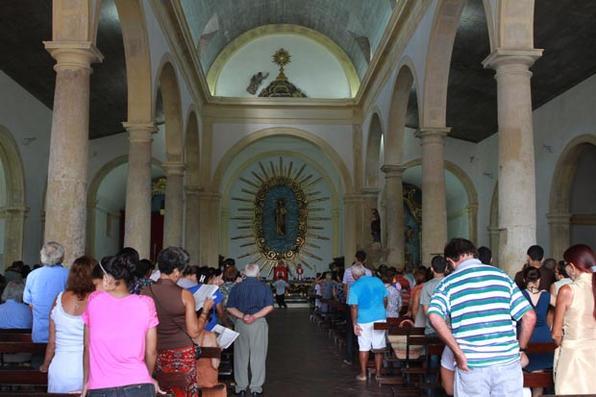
[[64, 354]]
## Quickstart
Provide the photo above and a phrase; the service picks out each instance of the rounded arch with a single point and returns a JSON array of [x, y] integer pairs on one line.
[[294, 132], [560, 192], [394, 138], [192, 150], [224, 56], [13, 208], [172, 108], [92, 191], [373, 151], [438, 63], [469, 187], [138, 60]]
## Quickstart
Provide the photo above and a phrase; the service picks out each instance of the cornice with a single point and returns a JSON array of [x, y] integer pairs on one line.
[[402, 25]]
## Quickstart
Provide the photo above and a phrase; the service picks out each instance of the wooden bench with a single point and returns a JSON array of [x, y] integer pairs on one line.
[[539, 379]]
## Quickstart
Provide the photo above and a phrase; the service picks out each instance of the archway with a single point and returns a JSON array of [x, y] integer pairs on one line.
[[12, 199], [106, 203], [572, 214], [373, 152]]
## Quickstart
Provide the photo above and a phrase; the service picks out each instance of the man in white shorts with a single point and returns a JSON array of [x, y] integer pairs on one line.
[[367, 298]]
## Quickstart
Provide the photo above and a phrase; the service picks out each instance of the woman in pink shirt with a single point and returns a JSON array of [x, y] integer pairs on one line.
[[120, 337]]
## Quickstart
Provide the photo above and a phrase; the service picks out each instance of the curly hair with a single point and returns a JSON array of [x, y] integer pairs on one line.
[[172, 258], [80, 277]]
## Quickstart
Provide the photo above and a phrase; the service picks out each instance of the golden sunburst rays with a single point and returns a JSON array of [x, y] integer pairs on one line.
[[246, 221]]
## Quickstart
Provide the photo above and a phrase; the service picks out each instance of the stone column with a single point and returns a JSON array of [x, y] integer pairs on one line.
[[394, 209], [193, 223], [351, 202], [66, 197], [560, 233], [493, 237], [174, 204], [370, 201], [137, 223], [434, 202], [517, 177]]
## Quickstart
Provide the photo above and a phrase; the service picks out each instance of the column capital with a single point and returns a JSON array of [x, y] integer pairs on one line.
[[205, 195], [432, 134], [503, 56], [559, 218], [73, 54], [370, 191], [392, 171], [173, 168], [140, 132]]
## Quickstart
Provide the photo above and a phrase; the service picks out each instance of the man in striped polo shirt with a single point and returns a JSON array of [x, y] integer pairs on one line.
[[482, 304]]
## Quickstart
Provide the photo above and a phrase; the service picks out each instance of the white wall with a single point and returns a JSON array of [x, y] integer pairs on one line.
[[30, 123], [313, 69]]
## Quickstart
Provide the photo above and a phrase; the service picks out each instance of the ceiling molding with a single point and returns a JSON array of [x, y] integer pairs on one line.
[[266, 30]]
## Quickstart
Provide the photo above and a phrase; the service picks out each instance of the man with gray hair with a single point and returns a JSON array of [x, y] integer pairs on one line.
[[13, 312], [42, 287], [249, 302], [367, 298]]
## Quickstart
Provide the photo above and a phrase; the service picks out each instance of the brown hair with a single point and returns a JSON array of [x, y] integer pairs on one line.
[[582, 258], [80, 280]]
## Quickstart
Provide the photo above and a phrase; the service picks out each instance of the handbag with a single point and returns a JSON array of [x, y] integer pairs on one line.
[[197, 348]]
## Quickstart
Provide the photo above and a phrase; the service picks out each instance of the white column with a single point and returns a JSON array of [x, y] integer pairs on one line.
[[66, 197], [394, 208], [517, 177], [434, 202], [174, 204], [137, 223]]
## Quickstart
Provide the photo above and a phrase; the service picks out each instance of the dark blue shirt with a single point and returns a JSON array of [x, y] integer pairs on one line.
[[250, 296]]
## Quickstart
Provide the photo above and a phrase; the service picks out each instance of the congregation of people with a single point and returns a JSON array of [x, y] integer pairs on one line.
[[485, 318], [119, 327]]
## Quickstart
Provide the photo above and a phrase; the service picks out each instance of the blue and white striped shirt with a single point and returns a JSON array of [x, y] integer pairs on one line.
[[482, 303]]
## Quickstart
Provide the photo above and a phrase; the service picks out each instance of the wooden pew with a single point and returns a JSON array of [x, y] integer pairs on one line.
[[211, 352], [539, 379]]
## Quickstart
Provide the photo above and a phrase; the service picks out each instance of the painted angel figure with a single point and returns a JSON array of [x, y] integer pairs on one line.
[[255, 82]]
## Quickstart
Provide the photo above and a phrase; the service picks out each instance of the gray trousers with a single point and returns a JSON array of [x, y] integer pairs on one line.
[[496, 381], [251, 347]]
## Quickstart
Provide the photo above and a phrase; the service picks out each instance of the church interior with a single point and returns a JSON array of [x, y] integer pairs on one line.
[[297, 131]]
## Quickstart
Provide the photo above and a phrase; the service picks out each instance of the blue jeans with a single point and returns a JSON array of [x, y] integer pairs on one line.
[[495, 381], [142, 390]]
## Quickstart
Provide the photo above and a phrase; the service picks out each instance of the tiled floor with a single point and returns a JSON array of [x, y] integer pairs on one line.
[[302, 362]]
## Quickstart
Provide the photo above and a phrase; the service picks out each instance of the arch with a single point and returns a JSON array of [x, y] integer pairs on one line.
[[469, 187], [438, 63], [287, 131], [14, 208], [559, 215], [224, 56], [172, 107], [92, 195], [138, 60], [192, 150], [394, 138], [373, 152]]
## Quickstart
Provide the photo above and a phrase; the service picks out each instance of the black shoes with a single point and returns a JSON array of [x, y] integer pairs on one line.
[[245, 393]]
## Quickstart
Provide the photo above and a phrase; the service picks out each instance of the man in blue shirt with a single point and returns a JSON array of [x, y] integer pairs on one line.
[[13, 312], [367, 298], [42, 287], [249, 302]]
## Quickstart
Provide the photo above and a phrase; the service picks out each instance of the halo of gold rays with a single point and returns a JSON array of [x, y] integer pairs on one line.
[[311, 215]]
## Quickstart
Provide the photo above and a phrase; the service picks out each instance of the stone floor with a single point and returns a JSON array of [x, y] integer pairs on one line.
[[302, 362]]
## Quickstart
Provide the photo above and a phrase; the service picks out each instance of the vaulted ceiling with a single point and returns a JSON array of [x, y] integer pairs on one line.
[[355, 25]]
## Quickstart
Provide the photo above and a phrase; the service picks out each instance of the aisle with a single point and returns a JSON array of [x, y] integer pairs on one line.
[[302, 362]]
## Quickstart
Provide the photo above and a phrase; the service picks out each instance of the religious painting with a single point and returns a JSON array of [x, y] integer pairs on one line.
[[413, 224], [280, 217]]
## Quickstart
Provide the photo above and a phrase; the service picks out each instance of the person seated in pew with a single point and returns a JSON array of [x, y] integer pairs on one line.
[[393, 296], [14, 314], [438, 267], [119, 359], [64, 353]]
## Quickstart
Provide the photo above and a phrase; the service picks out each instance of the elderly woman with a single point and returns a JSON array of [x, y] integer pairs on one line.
[[120, 336], [13, 312], [64, 353], [42, 287], [178, 325]]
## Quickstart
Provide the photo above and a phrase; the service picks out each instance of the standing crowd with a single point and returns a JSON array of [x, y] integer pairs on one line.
[[120, 328]]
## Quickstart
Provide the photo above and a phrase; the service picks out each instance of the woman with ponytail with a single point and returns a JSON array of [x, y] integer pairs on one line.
[[574, 328]]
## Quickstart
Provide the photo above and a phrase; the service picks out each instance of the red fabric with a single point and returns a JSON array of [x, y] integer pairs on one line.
[[177, 372]]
